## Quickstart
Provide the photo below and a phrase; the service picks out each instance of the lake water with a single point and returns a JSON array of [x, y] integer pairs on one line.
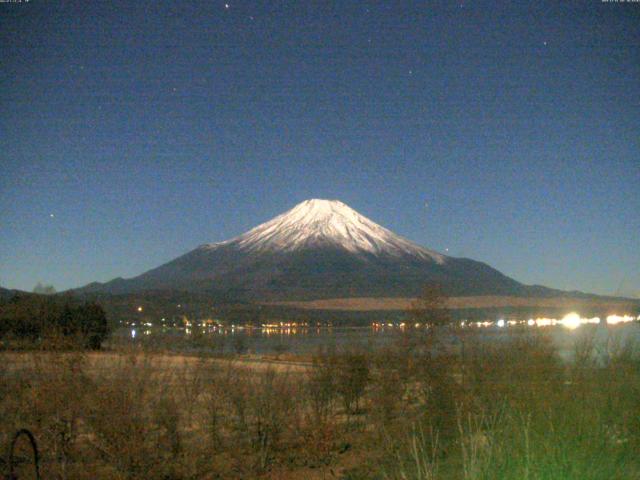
[[305, 340]]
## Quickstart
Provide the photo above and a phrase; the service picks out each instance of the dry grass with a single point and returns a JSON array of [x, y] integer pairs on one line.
[[490, 301], [509, 410]]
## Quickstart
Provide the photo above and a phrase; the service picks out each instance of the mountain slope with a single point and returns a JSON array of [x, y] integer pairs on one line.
[[318, 249], [325, 223]]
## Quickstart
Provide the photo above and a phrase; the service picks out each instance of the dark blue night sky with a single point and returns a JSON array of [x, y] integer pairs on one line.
[[131, 132]]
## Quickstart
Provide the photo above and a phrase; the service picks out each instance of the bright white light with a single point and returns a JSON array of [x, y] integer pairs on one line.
[[500, 323], [133, 333], [615, 319], [531, 322], [139, 309], [545, 322], [571, 321]]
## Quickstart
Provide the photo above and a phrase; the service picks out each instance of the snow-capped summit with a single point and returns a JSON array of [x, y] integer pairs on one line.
[[318, 249], [317, 223]]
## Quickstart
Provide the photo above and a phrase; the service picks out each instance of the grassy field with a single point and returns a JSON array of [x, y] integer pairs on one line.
[[507, 410], [363, 304]]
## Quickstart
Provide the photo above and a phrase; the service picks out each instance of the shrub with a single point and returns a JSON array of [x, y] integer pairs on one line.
[[352, 378], [321, 385]]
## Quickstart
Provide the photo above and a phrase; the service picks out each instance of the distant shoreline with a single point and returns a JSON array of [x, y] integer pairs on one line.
[[364, 304]]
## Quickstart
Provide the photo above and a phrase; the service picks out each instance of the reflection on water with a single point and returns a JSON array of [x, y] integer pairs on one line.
[[300, 338]]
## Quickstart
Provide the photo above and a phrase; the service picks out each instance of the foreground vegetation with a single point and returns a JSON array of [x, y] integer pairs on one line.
[[417, 410], [37, 321]]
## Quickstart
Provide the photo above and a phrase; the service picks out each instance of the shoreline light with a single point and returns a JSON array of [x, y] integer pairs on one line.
[[615, 319], [571, 321]]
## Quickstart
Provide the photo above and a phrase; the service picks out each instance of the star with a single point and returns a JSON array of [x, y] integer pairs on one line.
[[226, 5], [544, 43], [51, 215]]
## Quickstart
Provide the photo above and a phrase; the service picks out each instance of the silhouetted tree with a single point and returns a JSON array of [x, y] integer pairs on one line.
[[93, 326], [430, 308], [352, 379], [430, 312], [44, 289], [34, 317]]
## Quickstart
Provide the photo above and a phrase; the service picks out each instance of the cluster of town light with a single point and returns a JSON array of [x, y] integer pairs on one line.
[[571, 321], [210, 325]]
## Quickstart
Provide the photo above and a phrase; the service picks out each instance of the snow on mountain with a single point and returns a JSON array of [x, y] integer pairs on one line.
[[316, 223], [318, 249]]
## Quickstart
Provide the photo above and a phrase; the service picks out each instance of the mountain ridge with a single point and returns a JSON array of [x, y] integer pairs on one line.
[[318, 249]]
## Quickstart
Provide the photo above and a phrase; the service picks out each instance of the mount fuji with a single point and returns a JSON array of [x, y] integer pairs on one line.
[[318, 249]]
